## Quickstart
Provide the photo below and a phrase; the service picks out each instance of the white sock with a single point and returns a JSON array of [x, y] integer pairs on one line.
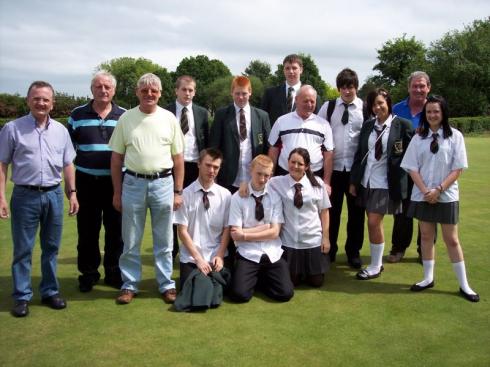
[[460, 271], [377, 250], [428, 273]]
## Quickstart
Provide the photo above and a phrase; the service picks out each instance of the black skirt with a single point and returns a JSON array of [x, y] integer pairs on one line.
[[311, 261], [445, 213]]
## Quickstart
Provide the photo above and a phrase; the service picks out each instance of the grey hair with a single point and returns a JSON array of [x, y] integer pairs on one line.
[[105, 74], [149, 79], [417, 75], [304, 88]]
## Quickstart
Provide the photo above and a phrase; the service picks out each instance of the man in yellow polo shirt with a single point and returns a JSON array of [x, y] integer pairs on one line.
[[149, 142]]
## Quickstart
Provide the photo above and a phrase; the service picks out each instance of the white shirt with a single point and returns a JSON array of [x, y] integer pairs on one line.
[[376, 172], [243, 174], [345, 137], [302, 227], [191, 152], [204, 226], [294, 91], [434, 168], [242, 214], [313, 134]]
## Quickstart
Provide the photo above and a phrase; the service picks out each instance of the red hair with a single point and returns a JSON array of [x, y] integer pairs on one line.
[[242, 82]]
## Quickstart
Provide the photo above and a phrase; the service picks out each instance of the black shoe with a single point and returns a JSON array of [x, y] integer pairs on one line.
[[355, 262], [364, 275], [470, 297], [20, 309], [113, 281], [418, 288], [87, 282], [55, 302]]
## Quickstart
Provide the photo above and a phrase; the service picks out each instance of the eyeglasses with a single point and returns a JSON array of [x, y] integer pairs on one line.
[[103, 130]]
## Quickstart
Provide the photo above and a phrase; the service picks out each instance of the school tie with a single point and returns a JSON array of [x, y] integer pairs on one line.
[[298, 196], [184, 123], [259, 208], [290, 99], [243, 125], [378, 147], [205, 199], [434, 145], [345, 115]]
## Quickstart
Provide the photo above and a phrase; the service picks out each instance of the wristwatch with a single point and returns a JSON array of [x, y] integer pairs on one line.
[[178, 192]]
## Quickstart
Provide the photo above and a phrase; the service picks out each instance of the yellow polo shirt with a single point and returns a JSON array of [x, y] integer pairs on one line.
[[148, 141]]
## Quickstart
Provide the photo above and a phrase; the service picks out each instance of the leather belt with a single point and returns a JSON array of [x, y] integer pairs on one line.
[[151, 176], [39, 188]]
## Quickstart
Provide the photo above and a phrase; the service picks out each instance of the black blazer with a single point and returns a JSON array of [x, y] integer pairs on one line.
[[201, 124], [275, 100], [224, 136], [401, 133]]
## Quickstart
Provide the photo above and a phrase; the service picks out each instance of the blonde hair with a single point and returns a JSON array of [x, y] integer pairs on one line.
[[263, 160]]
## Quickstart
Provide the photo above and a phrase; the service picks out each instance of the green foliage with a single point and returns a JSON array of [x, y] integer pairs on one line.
[[204, 71], [128, 70], [12, 105], [218, 93], [471, 125], [311, 74], [460, 69], [261, 70]]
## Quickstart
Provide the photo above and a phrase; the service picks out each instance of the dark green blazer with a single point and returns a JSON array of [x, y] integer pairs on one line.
[[401, 133], [201, 124], [224, 136]]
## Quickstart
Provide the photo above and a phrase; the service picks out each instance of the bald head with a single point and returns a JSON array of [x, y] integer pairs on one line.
[[305, 101]]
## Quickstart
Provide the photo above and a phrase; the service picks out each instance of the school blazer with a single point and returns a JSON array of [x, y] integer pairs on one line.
[[201, 124], [275, 100], [225, 137], [401, 133]]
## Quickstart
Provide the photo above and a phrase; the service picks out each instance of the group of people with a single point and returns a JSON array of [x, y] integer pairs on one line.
[[213, 188]]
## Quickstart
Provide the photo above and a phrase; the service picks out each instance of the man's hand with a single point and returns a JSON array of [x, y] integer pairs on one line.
[[217, 263], [73, 210], [178, 201], [116, 202], [4, 209], [203, 266], [325, 247]]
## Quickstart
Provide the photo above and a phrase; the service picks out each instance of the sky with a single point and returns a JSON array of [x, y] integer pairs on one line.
[[63, 41]]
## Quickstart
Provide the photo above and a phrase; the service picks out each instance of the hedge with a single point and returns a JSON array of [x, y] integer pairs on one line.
[[467, 125]]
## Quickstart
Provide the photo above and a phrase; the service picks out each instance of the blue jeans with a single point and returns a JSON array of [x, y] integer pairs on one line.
[[29, 210], [139, 194]]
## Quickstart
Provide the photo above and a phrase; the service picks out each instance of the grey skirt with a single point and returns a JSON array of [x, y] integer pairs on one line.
[[378, 201], [311, 261], [445, 213]]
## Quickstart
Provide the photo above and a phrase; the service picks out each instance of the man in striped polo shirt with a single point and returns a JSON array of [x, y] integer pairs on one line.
[[90, 128]]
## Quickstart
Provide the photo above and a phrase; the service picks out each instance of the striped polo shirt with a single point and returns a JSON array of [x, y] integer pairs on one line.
[[90, 135]]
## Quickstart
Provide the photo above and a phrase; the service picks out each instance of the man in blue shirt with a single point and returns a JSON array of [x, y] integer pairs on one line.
[[90, 128], [39, 149], [411, 109]]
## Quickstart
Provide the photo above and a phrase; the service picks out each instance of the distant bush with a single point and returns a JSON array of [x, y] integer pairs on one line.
[[471, 125]]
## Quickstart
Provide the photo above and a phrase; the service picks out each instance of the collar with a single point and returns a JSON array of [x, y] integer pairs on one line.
[[295, 114], [179, 106], [35, 122], [246, 109], [295, 87], [91, 106], [387, 122], [257, 193], [291, 181], [199, 187], [356, 102]]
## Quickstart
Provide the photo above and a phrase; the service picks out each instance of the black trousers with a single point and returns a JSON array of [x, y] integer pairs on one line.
[[273, 278], [191, 172], [355, 216], [94, 195]]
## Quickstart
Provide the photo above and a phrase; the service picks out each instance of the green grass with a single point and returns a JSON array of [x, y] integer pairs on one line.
[[345, 323]]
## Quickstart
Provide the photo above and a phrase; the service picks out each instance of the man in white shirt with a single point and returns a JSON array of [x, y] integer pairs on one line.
[[255, 222], [345, 115], [202, 220], [303, 129]]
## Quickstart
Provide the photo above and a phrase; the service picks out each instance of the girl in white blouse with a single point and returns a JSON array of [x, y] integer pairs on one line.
[[435, 159]]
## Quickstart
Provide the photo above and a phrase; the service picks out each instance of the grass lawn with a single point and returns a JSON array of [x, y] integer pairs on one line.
[[345, 323]]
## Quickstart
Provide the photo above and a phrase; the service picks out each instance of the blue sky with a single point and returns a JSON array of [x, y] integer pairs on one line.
[[63, 41]]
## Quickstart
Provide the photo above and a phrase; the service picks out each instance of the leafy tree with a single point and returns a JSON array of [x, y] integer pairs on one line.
[[261, 70], [64, 104], [204, 71], [12, 105], [128, 70], [460, 69], [311, 75]]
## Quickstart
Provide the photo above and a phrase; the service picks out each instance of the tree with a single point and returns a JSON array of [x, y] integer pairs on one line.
[[460, 69], [204, 71], [128, 70], [311, 75], [261, 70]]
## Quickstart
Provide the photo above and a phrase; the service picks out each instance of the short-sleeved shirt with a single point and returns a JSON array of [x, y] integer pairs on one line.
[[434, 168], [376, 172], [90, 134], [302, 227], [148, 141], [204, 226], [402, 109], [38, 155], [314, 134], [242, 214], [345, 137]]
